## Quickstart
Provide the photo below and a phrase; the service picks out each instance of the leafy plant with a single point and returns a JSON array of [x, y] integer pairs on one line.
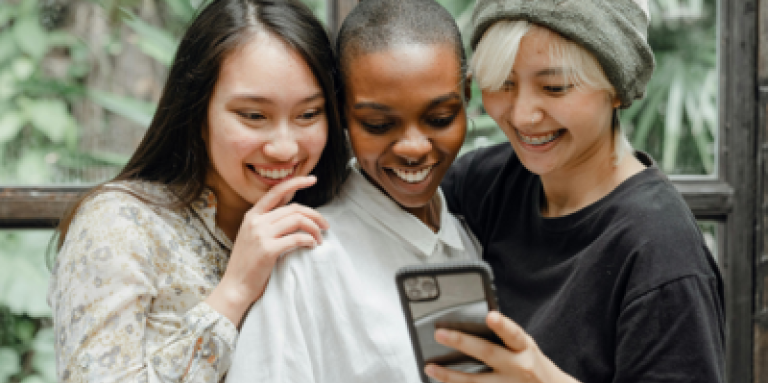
[[26, 338]]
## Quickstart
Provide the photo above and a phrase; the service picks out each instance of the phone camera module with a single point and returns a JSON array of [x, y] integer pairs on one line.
[[421, 288]]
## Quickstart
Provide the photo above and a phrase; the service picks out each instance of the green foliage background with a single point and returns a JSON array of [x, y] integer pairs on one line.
[[40, 139]]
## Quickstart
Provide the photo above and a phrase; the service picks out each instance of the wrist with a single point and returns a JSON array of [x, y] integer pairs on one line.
[[230, 302]]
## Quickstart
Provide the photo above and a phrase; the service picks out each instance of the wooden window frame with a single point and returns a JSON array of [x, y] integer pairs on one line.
[[729, 198]]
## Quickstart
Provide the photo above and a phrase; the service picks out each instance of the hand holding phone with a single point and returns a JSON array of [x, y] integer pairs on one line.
[[456, 296]]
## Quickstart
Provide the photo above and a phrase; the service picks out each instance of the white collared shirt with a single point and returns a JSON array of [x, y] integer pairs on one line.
[[332, 314]]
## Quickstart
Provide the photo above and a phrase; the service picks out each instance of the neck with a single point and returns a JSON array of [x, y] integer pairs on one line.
[[586, 182], [230, 208], [229, 219], [429, 214]]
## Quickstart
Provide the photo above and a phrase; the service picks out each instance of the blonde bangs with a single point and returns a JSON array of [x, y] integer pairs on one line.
[[491, 64], [496, 51], [581, 68]]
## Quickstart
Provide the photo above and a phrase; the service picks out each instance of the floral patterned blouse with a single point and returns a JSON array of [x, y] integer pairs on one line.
[[128, 287]]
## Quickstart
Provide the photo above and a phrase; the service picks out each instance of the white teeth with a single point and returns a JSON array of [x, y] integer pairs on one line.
[[539, 140], [274, 174], [411, 176]]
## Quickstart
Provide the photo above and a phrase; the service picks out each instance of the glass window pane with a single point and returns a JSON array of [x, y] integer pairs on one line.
[[712, 230], [79, 82], [677, 121]]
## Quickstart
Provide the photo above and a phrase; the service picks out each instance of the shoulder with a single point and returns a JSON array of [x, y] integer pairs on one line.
[[660, 234], [484, 163], [134, 207]]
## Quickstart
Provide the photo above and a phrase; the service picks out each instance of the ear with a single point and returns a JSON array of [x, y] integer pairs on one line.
[[616, 102], [468, 88]]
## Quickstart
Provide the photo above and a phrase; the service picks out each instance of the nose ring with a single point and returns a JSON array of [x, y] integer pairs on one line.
[[411, 162]]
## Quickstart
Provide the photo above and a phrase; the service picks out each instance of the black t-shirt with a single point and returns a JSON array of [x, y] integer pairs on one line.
[[623, 290]]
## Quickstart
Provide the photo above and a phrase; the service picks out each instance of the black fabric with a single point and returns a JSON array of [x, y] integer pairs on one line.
[[623, 290]]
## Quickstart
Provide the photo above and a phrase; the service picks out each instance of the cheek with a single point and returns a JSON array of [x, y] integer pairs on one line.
[[233, 141], [453, 139], [495, 103], [313, 141], [362, 144]]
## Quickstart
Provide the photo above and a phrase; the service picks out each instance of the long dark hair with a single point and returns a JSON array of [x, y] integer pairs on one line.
[[173, 152]]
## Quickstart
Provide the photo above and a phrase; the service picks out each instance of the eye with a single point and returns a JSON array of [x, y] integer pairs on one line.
[[311, 114], [507, 86], [377, 127], [254, 116], [441, 121], [558, 88]]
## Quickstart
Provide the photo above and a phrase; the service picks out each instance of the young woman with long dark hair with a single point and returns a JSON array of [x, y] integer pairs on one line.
[[157, 267]]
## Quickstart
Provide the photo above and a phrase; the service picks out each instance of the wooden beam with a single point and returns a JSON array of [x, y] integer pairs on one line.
[[28, 207], [708, 199], [761, 197], [738, 138]]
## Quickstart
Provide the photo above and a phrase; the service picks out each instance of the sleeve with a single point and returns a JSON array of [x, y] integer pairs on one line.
[[103, 288], [673, 333], [274, 345]]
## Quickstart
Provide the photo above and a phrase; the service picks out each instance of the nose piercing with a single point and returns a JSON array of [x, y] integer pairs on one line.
[[532, 120], [411, 162]]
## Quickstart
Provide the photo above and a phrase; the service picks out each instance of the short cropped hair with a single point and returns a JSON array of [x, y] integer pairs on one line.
[[378, 25], [495, 56]]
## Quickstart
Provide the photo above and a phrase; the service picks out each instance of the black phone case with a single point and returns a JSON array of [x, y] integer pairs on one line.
[[478, 267]]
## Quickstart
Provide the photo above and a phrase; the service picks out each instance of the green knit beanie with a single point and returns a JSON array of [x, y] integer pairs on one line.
[[615, 31]]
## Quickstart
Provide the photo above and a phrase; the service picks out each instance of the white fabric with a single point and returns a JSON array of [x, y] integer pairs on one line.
[[643, 4], [332, 314]]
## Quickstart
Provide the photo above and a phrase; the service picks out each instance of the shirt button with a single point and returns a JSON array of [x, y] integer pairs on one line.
[[206, 353]]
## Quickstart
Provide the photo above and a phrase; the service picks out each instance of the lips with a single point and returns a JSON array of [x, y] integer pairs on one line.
[[413, 175], [541, 139], [273, 173]]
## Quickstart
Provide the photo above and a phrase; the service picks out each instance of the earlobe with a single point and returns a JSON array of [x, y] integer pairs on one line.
[[615, 102]]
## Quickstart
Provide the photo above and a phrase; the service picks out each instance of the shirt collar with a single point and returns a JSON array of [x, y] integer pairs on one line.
[[205, 207], [386, 211]]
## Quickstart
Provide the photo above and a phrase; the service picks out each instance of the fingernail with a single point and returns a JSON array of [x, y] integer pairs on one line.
[[494, 317], [430, 370]]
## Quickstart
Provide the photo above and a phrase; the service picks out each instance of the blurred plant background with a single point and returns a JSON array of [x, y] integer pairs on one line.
[[79, 80]]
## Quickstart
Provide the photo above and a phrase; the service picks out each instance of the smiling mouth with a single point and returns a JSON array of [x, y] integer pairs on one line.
[[540, 140], [273, 174], [412, 176]]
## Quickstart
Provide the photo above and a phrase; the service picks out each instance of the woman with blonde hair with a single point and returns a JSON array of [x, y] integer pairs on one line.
[[599, 264]]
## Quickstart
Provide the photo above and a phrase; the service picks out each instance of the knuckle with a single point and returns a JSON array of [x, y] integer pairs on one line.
[[487, 351], [527, 369]]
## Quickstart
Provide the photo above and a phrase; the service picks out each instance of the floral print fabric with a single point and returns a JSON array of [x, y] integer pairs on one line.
[[128, 287]]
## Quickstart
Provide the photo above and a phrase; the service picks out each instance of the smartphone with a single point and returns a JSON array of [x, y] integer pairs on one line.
[[456, 296]]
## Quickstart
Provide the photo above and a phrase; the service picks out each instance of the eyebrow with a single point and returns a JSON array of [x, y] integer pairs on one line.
[[550, 72], [444, 98], [384, 108], [371, 105], [266, 100]]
